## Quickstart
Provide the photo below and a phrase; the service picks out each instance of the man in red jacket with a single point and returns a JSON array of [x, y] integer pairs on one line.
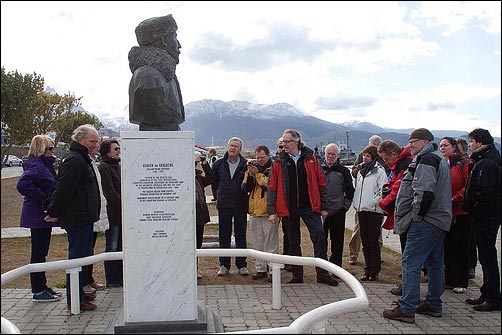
[[296, 189]]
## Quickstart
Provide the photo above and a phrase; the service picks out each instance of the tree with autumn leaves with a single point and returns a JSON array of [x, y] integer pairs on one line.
[[27, 110]]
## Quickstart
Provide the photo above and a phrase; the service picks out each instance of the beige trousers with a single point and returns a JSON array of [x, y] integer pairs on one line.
[[264, 236]]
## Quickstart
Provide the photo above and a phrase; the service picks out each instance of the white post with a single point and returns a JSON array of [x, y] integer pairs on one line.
[[276, 285], [319, 327], [74, 289]]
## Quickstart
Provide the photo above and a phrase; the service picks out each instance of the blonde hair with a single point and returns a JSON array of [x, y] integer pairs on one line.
[[39, 145]]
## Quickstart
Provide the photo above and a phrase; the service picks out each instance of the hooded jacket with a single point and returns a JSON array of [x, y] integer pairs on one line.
[[425, 192], [482, 193], [36, 184]]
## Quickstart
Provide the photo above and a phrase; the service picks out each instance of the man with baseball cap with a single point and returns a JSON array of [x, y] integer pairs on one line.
[[423, 208]]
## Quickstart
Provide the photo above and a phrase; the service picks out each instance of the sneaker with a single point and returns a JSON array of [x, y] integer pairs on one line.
[[424, 308], [258, 275], [84, 306], [397, 290], [243, 271], [459, 290], [89, 289], [97, 287], [397, 314], [472, 273], [223, 271], [199, 275], [89, 296], [45, 296], [328, 280], [51, 291]]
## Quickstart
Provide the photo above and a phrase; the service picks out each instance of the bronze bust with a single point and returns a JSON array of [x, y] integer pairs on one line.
[[155, 101]]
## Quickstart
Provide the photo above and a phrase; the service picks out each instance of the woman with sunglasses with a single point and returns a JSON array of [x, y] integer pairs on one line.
[[36, 184], [109, 169]]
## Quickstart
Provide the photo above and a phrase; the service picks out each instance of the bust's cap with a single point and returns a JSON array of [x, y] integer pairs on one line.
[[152, 29]]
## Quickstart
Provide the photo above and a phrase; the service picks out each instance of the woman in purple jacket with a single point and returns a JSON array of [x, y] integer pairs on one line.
[[36, 184]]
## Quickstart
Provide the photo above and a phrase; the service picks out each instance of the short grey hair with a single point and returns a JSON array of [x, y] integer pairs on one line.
[[332, 145], [375, 140], [236, 139], [82, 132]]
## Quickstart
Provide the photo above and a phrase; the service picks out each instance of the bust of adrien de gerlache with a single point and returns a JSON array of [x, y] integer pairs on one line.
[[155, 101]]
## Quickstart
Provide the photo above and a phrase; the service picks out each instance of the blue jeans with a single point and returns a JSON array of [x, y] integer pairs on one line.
[[485, 232], [80, 240], [424, 246], [40, 241], [314, 224], [113, 269], [239, 216]]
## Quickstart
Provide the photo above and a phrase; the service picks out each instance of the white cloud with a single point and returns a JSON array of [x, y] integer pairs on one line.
[[273, 52]]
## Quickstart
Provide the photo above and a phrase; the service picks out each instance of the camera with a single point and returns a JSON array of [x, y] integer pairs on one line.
[[253, 162], [202, 158]]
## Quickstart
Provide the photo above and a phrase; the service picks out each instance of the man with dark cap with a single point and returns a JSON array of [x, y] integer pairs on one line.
[[155, 101], [423, 208]]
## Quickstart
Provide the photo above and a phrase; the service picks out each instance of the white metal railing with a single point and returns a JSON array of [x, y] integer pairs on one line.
[[313, 320]]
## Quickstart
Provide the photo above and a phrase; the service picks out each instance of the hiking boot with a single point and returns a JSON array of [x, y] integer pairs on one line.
[[397, 290], [223, 271], [243, 271], [89, 296], [45, 296], [424, 308], [258, 275], [397, 314], [328, 280]]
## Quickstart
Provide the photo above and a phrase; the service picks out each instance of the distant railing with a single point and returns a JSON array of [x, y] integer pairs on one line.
[[313, 320]]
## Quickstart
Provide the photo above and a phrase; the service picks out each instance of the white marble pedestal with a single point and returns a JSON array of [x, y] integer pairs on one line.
[[158, 211]]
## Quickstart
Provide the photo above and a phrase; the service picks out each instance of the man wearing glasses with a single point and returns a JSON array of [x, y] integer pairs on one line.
[[424, 210], [297, 189]]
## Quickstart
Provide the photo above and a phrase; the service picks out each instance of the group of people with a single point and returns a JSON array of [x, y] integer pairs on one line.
[[434, 196], [82, 195]]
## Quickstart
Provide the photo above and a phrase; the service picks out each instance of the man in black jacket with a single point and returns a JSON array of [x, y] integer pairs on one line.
[[76, 202], [232, 203], [482, 201]]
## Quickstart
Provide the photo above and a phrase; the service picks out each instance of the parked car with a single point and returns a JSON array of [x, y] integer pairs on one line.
[[13, 161]]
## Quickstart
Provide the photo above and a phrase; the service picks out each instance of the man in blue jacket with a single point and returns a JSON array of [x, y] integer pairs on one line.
[[232, 203]]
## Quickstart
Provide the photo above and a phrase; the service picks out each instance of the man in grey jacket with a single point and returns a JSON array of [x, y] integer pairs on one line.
[[423, 207]]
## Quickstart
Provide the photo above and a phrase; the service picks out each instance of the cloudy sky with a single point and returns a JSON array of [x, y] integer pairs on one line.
[[395, 64]]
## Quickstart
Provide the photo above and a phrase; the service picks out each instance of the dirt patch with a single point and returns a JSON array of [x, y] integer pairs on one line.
[[16, 252]]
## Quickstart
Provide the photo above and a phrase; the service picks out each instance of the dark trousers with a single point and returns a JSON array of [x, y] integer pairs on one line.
[[334, 225], [285, 238], [456, 252], [88, 278], [199, 232], [485, 232], [214, 190], [114, 269], [370, 224], [314, 225], [79, 245], [239, 216], [40, 241], [473, 252]]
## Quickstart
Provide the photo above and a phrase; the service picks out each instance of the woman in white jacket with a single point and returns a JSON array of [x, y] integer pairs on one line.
[[370, 179]]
